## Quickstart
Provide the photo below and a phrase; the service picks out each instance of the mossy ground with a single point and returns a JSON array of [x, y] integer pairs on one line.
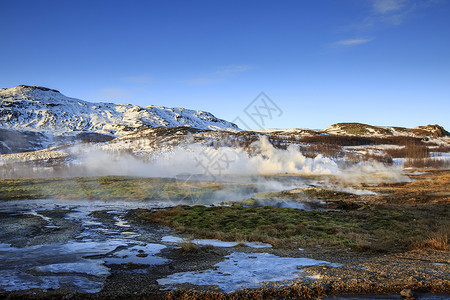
[[112, 188], [374, 228]]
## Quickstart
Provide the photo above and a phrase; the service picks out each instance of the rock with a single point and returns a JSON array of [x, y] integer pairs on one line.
[[407, 294]]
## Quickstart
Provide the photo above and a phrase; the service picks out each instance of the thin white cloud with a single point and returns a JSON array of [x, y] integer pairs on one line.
[[108, 94], [220, 74], [140, 79], [388, 6], [201, 81], [232, 69], [387, 13], [351, 42]]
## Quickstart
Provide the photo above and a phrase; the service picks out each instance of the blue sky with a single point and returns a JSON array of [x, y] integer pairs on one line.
[[382, 62]]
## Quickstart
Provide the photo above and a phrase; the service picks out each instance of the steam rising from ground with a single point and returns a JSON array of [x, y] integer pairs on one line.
[[209, 163], [200, 160]]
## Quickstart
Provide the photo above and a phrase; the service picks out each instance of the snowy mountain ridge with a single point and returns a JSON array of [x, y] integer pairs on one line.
[[44, 110]]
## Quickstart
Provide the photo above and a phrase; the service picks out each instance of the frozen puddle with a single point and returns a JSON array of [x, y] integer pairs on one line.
[[12, 281], [89, 267], [245, 270], [211, 242], [83, 261], [52, 266], [139, 254]]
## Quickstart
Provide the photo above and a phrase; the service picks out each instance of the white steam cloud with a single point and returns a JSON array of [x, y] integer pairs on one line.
[[207, 163], [200, 160]]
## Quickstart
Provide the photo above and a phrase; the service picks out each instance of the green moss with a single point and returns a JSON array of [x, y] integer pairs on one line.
[[265, 222], [383, 228]]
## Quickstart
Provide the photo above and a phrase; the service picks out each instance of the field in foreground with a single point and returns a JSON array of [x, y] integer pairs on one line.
[[393, 239]]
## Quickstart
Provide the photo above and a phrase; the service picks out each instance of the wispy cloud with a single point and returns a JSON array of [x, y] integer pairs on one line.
[[351, 42], [387, 13], [109, 94], [139, 79], [388, 6], [224, 70], [220, 74], [201, 81]]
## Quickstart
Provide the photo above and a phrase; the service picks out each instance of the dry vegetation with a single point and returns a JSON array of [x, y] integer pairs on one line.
[[418, 152]]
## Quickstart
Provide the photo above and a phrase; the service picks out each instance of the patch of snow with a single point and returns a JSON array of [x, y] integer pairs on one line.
[[356, 191], [440, 154], [121, 223]]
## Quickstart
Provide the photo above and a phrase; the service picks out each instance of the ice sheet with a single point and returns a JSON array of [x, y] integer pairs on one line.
[[213, 242], [245, 270]]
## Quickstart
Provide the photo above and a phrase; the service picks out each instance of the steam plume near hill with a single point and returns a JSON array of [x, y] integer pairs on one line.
[[211, 164], [198, 159]]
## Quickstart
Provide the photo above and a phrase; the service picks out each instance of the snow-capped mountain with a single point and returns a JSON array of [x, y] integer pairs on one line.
[[43, 110], [34, 118]]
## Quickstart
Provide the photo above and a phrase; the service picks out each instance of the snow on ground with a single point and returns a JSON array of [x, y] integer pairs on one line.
[[41, 155], [443, 155], [375, 147], [356, 191]]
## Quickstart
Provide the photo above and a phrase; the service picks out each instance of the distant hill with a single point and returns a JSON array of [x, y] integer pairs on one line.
[[369, 130]]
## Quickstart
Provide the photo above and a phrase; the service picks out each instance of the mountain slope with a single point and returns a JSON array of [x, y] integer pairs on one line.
[[433, 131], [38, 109]]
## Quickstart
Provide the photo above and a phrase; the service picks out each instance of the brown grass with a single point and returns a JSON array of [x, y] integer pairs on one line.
[[440, 148], [189, 247], [327, 150], [438, 240], [344, 140], [411, 150], [383, 158], [434, 163]]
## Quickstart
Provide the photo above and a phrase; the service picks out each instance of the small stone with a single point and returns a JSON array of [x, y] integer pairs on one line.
[[407, 293]]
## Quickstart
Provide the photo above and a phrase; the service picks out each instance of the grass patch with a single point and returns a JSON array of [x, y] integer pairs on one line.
[[376, 228], [438, 240], [112, 188], [309, 195], [189, 247]]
